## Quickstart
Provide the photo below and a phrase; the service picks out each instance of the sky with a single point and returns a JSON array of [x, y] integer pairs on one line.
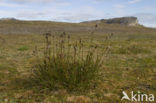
[[79, 10]]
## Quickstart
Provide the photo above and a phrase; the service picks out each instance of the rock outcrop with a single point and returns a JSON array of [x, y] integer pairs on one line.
[[130, 21]]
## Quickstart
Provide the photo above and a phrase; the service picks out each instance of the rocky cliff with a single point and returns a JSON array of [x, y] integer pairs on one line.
[[130, 21]]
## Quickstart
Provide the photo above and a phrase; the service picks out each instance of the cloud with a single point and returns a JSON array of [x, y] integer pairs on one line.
[[134, 1], [29, 14], [56, 14], [77, 17], [119, 9], [32, 1], [74, 17], [119, 6], [10, 5], [80, 16], [148, 19]]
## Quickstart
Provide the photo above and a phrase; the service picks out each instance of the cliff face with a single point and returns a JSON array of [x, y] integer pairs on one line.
[[131, 21]]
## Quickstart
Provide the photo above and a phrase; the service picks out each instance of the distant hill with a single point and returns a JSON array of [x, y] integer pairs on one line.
[[8, 19], [130, 21], [117, 26]]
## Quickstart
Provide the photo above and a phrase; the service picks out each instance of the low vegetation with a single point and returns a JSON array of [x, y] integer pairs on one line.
[[77, 66]]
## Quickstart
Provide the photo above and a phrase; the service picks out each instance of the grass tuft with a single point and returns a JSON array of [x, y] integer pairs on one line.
[[67, 65]]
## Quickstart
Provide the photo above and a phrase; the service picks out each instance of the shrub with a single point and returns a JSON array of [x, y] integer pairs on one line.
[[67, 64]]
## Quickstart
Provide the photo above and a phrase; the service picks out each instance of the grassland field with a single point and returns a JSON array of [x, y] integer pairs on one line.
[[130, 64]]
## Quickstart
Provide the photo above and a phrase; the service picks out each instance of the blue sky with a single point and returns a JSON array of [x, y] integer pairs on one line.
[[79, 10]]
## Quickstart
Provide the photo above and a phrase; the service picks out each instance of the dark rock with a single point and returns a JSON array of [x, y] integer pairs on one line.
[[132, 21]]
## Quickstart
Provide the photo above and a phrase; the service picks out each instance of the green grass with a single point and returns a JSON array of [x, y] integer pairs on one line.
[[23, 48]]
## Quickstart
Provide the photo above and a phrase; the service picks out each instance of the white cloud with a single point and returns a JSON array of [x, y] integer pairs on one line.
[[4, 14], [134, 1], [147, 19], [32, 1], [33, 11], [5, 4], [119, 9], [82, 14], [73, 17], [119, 6], [56, 14], [29, 14]]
